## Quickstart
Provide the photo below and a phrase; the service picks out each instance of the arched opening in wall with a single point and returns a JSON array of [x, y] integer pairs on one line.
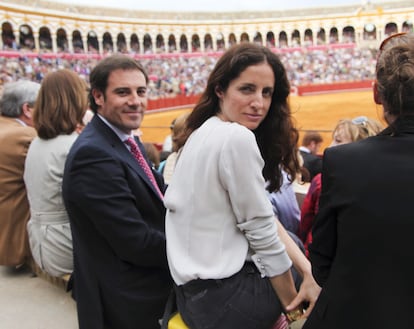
[[407, 26], [134, 44], [62, 41], [308, 38], [270, 39], [147, 44], [121, 46], [232, 39], [7, 36], [283, 40], [370, 32], [321, 37], [26, 37], [172, 44], [208, 42], [183, 44], [390, 28], [348, 34], [195, 43], [333, 35], [295, 38], [92, 43], [77, 42], [45, 39], [220, 46], [244, 37], [160, 44], [258, 38], [107, 43]]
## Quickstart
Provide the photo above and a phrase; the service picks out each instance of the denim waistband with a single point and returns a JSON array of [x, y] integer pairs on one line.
[[196, 285]]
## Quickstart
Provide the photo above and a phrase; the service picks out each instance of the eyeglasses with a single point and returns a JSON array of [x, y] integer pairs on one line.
[[361, 120]]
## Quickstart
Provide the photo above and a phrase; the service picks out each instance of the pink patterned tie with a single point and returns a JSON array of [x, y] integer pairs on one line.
[[136, 152]]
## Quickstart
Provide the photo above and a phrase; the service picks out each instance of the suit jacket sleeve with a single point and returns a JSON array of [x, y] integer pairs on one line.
[[323, 248], [105, 191]]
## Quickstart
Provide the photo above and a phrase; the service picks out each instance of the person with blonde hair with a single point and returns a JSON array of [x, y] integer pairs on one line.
[[360, 253], [352, 130], [58, 114], [346, 131]]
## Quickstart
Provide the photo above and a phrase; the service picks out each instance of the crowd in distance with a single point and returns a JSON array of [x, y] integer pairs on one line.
[[174, 76]]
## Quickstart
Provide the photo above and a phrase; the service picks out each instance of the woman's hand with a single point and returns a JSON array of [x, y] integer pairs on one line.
[[308, 292]]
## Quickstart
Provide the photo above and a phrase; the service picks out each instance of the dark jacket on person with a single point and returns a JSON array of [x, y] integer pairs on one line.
[[361, 254], [312, 162]]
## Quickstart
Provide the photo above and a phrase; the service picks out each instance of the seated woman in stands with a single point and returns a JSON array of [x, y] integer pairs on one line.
[[58, 114]]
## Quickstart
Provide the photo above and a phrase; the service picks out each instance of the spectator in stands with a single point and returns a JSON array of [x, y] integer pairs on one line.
[[177, 130], [16, 134], [115, 207], [167, 144], [220, 227], [361, 253], [346, 131], [58, 115], [285, 205], [153, 154], [311, 144]]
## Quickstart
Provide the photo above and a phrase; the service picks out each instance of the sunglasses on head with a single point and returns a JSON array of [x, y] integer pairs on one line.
[[390, 37], [361, 120]]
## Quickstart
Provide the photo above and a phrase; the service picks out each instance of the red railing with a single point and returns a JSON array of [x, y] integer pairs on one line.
[[333, 87], [179, 101]]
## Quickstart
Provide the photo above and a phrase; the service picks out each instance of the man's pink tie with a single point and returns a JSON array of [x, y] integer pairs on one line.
[[136, 152]]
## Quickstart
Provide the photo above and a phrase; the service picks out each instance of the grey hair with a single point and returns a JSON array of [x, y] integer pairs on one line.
[[17, 93]]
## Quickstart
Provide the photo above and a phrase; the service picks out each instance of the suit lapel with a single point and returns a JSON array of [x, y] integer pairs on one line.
[[122, 151]]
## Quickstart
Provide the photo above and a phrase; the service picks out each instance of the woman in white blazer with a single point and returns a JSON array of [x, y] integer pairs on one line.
[[59, 110]]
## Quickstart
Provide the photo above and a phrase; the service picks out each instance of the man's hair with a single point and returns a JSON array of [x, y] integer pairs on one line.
[[15, 94], [311, 136]]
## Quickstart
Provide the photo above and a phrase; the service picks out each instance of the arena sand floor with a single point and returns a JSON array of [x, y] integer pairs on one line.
[[313, 112]]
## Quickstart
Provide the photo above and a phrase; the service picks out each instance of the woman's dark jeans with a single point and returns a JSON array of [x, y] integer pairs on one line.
[[244, 300]]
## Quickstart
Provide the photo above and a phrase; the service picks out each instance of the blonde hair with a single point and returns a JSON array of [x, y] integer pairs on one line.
[[359, 128]]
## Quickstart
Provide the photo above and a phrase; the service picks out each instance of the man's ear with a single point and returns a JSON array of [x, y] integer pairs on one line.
[[377, 99], [27, 111], [98, 96]]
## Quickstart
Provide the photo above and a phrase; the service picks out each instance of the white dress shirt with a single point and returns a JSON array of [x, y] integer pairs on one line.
[[218, 213]]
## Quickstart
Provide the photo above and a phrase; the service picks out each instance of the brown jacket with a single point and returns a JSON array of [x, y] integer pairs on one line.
[[14, 207]]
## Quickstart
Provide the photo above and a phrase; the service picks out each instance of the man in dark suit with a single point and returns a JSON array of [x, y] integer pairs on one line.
[[311, 143], [121, 277]]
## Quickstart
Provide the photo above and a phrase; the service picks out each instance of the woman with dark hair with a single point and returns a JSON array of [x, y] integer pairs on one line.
[[225, 249], [360, 251], [58, 114]]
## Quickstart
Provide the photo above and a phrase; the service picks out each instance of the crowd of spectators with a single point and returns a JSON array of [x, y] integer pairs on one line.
[[181, 75]]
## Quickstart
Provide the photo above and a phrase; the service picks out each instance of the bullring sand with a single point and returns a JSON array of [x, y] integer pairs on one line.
[[312, 112]]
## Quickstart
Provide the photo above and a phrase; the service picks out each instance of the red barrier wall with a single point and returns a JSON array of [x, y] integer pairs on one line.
[[333, 87], [189, 101], [173, 102]]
